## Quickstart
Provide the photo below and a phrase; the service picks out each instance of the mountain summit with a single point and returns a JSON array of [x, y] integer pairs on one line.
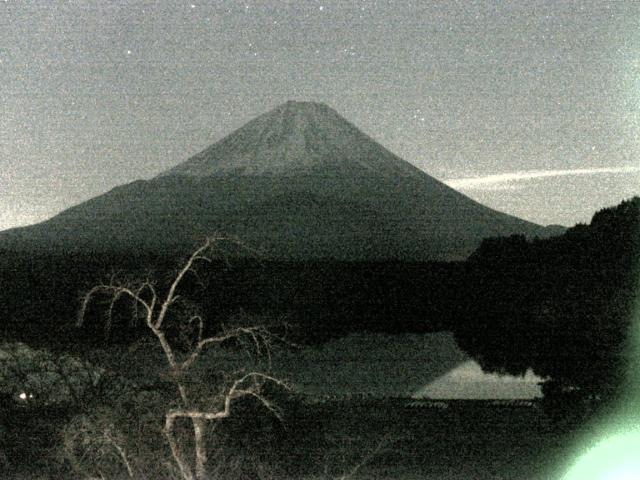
[[298, 183], [296, 138]]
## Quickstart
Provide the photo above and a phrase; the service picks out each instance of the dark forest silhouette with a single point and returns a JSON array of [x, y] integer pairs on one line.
[[560, 306]]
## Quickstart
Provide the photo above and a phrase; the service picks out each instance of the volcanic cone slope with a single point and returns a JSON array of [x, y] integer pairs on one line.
[[298, 182]]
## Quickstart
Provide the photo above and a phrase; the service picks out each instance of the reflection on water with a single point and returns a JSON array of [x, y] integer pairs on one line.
[[365, 363], [405, 365], [468, 381]]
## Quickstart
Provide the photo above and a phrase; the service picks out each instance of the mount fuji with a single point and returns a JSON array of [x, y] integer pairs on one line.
[[296, 183]]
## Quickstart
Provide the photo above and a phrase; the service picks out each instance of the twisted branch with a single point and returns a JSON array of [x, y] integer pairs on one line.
[[146, 296]]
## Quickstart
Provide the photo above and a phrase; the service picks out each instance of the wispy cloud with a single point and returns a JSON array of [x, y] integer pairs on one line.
[[508, 181]]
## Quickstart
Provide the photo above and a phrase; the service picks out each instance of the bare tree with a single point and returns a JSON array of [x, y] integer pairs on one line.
[[155, 309]]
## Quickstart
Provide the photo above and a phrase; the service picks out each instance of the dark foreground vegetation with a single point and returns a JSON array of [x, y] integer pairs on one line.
[[326, 441], [560, 306]]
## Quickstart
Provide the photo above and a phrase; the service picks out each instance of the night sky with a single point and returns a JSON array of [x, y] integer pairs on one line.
[[530, 107]]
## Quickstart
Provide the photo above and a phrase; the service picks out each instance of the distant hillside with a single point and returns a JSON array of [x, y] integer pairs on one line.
[[562, 306], [297, 183]]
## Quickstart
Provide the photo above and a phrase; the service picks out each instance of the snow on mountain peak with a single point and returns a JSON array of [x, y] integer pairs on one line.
[[295, 138]]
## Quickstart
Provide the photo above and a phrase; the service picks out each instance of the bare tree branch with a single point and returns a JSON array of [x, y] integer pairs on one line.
[[145, 295], [170, 298]]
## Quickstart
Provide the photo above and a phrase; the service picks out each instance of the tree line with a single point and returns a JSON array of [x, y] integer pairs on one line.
[[561, 306]]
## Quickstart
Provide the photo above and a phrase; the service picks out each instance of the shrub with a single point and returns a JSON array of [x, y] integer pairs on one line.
[[34, 379]]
